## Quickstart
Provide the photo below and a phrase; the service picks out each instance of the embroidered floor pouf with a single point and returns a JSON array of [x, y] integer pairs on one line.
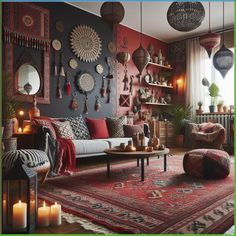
[[35, 159], [207, 163]]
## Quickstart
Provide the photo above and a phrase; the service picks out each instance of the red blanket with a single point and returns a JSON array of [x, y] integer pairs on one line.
[[66, 160]]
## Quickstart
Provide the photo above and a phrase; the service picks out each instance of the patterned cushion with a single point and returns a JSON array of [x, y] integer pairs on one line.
[[46, 123], [115, 126], [207, 163], [79, 127], [34, 159], [131, 130], [63, 129]]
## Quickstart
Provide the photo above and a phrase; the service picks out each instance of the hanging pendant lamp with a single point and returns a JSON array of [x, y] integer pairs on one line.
[[223, 58], [209, 40], [112, 13], [185, 16], [123, 57], [140, 56]]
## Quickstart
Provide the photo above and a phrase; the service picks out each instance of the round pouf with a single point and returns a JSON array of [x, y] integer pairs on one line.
[[34, 159], [207, 163]]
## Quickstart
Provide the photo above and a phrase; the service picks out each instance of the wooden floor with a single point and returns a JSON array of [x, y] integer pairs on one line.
[[76, 228]]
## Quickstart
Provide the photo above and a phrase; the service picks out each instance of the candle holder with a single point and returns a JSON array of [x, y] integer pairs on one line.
[[19, 199]]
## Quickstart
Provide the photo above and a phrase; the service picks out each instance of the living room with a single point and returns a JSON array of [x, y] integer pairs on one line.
[[118, 117]]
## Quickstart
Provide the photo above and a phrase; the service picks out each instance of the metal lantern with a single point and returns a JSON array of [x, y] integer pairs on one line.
[[209, 40], [19, 204], [28, 88], [140, 58], [223, 60], [123, 57], [185, 16], [112, 13]]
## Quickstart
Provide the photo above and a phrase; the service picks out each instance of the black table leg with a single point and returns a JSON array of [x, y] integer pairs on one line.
[[108, 166], [164, 162], [147, 161], [142, 169], [137, 161]]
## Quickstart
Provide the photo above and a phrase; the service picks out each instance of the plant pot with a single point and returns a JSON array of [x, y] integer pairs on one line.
[[179, 140], [8, 128], [199, 111], [225, 109], [212, 108], [219, 108]]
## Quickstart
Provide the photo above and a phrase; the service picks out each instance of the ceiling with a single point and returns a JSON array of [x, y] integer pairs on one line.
[[154, 18]]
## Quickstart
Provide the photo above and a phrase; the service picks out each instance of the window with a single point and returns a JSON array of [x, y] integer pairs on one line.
[[226, 85]]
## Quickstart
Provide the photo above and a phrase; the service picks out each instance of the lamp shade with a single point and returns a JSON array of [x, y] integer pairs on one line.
[[140, 58], [209, 41], [123, 57], [185, 16], [112, 13], [223, 60]]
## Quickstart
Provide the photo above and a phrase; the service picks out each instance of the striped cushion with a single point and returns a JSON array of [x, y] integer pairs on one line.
[[34, 159]]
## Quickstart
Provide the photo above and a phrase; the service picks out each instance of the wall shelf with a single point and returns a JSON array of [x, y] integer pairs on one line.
[[160, 85], [159, 65], [156, 104]]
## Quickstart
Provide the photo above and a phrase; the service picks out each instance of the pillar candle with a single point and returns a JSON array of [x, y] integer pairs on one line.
[[55, 214], [4, 206], [19, 215], [43, 215]]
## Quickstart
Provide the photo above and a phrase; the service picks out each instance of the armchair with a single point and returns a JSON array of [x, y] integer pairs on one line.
[[205, 135]]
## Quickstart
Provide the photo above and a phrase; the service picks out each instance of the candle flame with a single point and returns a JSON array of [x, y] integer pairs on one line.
[[20, 202], [55, 203], [44, 204]]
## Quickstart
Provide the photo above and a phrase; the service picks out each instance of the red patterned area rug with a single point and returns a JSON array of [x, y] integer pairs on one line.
[[166, 202]]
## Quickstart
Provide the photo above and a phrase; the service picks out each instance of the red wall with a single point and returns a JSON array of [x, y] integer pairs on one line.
[[133, 38]]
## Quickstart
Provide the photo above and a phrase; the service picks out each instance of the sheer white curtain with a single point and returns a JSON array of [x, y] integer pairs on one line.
[[195, 91]]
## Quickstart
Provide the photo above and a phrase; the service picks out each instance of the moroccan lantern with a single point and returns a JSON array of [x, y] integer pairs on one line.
[[19, 202], [209, 40], [28, 88], [185, 16], [112, 13], [141, 56], [223, 58], [123, 57]]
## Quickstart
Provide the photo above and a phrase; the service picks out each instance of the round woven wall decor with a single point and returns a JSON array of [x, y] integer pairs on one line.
[[85, 43]]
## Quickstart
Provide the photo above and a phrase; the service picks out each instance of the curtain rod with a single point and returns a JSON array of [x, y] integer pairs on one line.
[[217, 31]]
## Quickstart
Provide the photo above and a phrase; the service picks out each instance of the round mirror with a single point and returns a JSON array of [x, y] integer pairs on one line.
[[28, 79]]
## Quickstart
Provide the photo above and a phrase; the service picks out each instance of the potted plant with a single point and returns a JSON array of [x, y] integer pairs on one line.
[[199, 110], [213, 93], [9, 106], [179, 113], [220, 106]]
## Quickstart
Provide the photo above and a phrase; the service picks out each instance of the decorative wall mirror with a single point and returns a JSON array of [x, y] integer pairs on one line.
[[27, 80], [26, 31]]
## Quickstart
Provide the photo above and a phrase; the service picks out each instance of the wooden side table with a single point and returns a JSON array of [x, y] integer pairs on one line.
[[25, 140]]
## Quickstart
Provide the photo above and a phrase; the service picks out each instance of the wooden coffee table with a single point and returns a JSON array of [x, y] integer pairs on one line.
[[139, 155]]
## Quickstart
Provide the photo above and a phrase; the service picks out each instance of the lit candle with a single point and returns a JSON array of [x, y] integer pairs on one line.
[[20, 130], [43, 215], [19, 215], [55, 214], [4, 205]]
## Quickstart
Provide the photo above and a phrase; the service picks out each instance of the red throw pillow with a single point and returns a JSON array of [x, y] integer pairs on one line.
[[131, 130], [207, 127], [97, 128]]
